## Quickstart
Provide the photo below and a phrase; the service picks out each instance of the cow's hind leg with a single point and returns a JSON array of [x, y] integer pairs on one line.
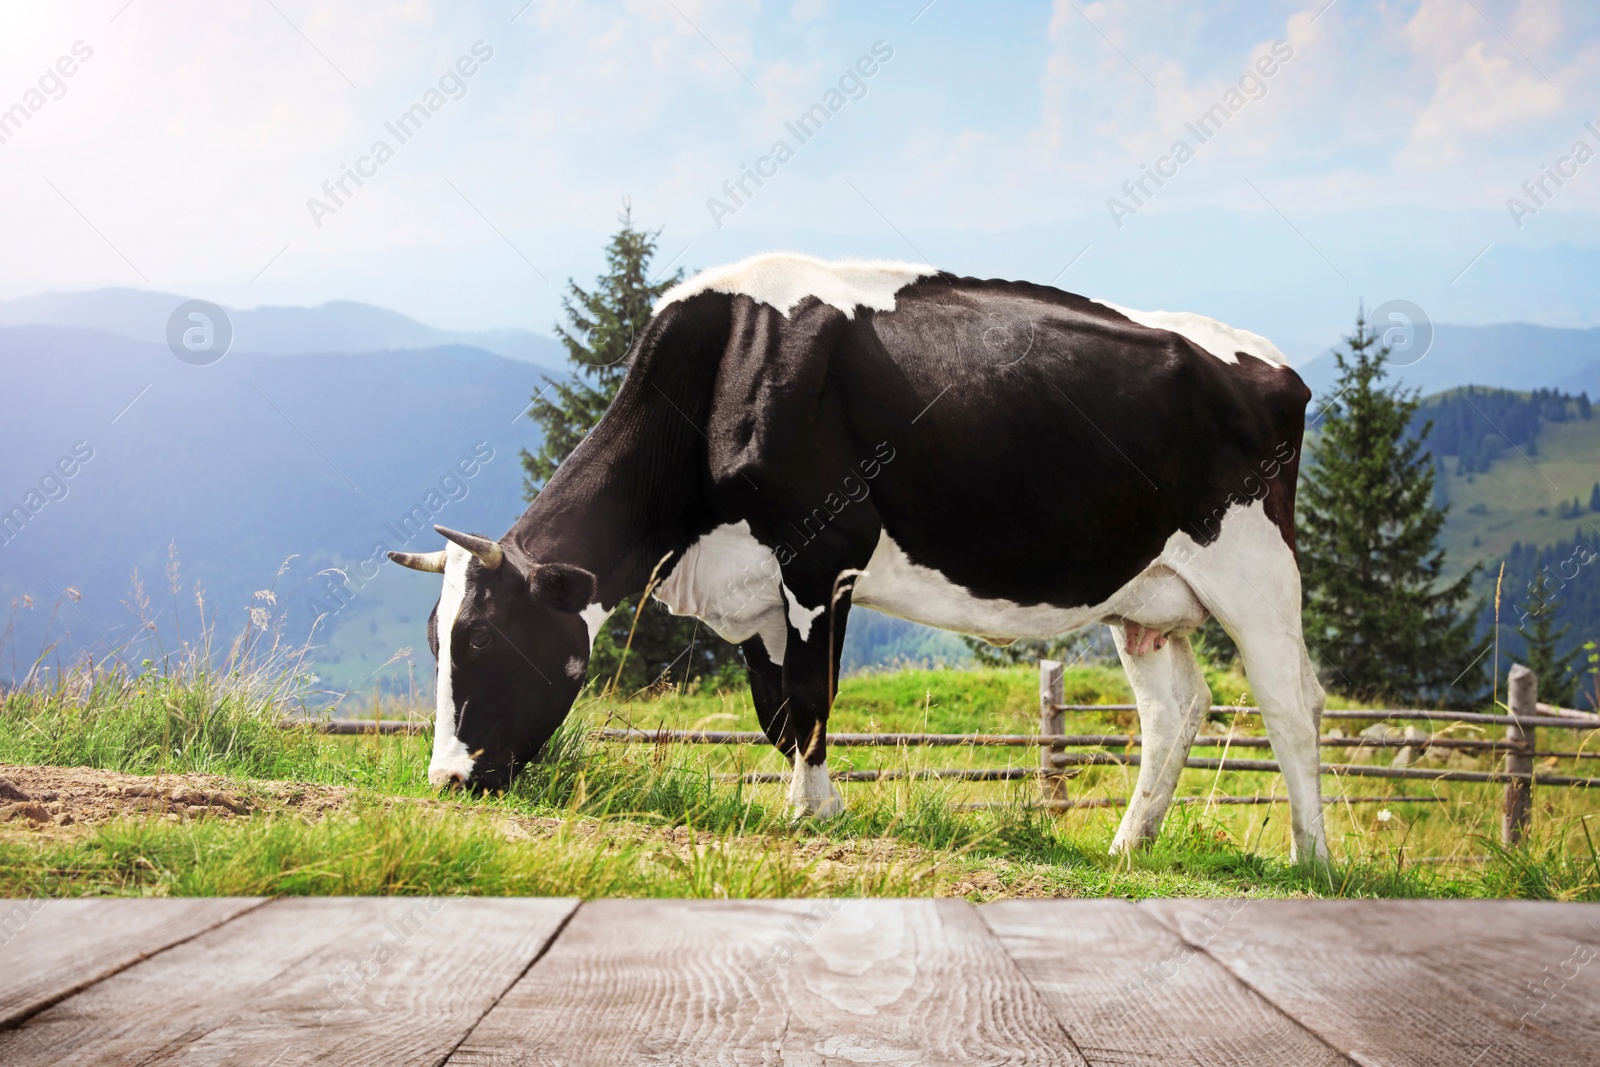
[[1173, 697], [1249, 579]]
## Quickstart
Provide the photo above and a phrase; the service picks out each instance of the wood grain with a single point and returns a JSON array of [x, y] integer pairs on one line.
[[331, 981], [1398, 983], [1538, 961], [52, 948], [1134, 994], [775, 982]]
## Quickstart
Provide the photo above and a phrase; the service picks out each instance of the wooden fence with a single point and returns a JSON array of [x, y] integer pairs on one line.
[[1057, 764], [1518, 747]]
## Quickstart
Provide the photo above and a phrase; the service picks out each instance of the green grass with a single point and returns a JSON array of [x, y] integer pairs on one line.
[[599, 819]]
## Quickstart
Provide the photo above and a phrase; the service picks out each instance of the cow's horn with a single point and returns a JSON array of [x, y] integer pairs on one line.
[[488, 552], [420, 561]]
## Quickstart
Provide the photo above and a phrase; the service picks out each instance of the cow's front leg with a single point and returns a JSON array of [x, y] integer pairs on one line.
[[764, 668], [807, 679], [810, 678]]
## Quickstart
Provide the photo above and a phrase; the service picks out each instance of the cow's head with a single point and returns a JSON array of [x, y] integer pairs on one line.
[[512, 654]]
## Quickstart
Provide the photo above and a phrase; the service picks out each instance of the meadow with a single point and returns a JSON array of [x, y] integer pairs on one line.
[[175, 778]]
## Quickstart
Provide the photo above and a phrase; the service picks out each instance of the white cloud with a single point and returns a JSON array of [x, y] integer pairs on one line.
[[196, 133]]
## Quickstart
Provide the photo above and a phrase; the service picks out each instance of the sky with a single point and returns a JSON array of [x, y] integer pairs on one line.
[[1359, 150]]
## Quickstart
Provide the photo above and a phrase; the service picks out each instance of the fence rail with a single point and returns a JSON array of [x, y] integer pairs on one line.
[[1575, 720], [1057, 766], [914, 740]]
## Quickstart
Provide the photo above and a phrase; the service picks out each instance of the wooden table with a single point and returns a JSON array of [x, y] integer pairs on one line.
[[347, 981]]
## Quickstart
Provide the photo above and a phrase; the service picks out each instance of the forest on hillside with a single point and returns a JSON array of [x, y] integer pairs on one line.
[[1472, 429], [1475, 426]]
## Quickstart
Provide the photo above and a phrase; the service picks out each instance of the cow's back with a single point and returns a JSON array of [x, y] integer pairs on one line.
[[1059, 434]]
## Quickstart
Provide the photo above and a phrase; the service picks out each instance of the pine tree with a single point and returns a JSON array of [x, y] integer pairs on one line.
[[601, 326], [1594, 497], [1557, 681], [1377, 613], [600, 329]]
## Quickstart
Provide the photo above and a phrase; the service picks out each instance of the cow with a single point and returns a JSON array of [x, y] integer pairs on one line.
[[998, 458]]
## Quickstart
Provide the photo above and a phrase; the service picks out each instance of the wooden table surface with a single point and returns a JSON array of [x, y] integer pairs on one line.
[[1232, 983]]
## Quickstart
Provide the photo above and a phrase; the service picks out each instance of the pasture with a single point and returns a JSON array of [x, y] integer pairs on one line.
[[180, 781]]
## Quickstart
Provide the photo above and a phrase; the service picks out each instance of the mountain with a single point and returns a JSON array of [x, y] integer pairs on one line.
[[1513, 355], [260, 470], [337, 326]]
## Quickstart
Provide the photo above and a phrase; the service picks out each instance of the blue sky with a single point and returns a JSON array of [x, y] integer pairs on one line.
[[1375, 162]]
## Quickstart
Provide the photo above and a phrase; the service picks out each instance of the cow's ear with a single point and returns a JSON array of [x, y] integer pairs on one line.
[[562, 586]]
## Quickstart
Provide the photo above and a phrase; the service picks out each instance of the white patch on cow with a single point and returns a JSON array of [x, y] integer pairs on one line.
[[594, 616], [575, 668], [810, 791], [896, 585], [783, 279], [731, 582], [1219, 339], [801, 618], [450, 757]]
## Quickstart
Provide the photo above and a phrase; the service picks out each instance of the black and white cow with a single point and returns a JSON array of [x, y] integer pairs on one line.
[[996, 458]]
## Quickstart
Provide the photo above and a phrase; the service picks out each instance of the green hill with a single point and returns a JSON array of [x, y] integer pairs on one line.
[[1520, 497]]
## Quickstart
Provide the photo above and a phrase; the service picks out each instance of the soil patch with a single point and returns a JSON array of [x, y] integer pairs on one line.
[[44, 797]]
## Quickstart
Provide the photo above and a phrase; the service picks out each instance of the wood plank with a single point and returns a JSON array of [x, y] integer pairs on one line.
[[1382, 984], [1536, 960], [345, 981], [52, 948], [766, 982], [1134, 994]]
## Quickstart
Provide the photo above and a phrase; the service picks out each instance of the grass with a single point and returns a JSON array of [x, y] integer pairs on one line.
[[598, 820]]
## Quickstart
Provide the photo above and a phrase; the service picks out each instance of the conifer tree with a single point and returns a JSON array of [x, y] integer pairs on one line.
[[1557, 681], [601, 326], [1379, 615], [600, 329]]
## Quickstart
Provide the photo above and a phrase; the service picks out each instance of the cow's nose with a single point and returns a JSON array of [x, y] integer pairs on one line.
[[443, 777]]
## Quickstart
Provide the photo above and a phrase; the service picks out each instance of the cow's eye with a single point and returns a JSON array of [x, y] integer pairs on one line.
[[479, 639]]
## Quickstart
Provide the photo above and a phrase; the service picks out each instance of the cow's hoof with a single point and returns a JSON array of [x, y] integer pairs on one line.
[[812, 795], [830, 805], [815, 807], [1127, 844]]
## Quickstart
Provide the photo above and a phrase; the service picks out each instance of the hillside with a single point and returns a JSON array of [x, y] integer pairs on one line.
[[1519, 498]]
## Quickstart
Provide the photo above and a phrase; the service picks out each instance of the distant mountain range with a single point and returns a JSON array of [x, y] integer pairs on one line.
[[260, 470], [1514, 355], [337, 326], [325, 434]]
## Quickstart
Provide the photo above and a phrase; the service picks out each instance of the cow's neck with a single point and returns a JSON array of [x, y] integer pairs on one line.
[[634, 490]]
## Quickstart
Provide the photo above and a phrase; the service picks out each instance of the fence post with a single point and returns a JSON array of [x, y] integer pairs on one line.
[[1522, 697], [1052, 692]]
